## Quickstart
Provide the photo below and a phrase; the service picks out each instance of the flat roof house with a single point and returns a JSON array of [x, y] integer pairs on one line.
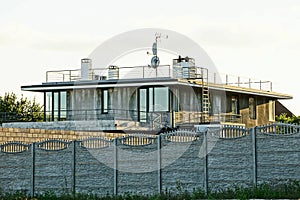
[[155, 97]]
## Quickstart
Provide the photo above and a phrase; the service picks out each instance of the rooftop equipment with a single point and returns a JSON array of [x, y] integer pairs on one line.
[[184, 68], [113, 72]]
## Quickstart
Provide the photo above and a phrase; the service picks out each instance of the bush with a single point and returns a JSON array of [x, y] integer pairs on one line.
[[290, 190]]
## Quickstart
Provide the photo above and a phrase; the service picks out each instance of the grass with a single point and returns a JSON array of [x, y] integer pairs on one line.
[[290, 190]]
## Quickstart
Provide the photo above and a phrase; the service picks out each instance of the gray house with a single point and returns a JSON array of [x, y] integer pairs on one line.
[[155, 97]]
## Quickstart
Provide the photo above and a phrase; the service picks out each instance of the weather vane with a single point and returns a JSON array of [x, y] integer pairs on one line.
[[155, 59]]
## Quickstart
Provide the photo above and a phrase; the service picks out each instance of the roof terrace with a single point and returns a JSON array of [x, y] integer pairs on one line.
[[162, 71]]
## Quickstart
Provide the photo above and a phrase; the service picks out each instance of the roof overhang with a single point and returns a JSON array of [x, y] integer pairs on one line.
[[93, 84]]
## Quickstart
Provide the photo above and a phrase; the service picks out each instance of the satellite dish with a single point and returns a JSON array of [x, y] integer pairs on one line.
[[154, 48], [155, 62]]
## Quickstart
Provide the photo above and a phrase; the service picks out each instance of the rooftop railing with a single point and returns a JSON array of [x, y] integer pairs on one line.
[[240, 81], [163, 71]]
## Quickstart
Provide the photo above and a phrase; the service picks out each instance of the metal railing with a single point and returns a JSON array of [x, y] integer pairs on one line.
[[240, 81], [227, 118], [185, 117], [148, 120], [163, 71], [63, 75], [6, 117]]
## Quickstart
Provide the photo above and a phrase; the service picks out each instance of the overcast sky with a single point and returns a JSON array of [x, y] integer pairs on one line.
[[257, 39]]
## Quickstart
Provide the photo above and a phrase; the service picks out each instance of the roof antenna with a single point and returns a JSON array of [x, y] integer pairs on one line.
[[155, 59]]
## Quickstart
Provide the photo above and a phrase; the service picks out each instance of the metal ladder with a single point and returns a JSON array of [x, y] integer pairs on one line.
[[205, 102]]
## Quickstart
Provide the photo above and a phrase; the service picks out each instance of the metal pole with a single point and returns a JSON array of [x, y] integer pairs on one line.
[[215, 78], [143, 71], [226, 79], [260, 84], [32, 169]]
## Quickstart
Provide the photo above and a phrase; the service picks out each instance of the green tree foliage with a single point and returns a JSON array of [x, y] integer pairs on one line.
[[23, 109], [283, 118]]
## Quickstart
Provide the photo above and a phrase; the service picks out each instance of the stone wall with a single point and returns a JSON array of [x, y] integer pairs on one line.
[[29, 135], [88, 125]]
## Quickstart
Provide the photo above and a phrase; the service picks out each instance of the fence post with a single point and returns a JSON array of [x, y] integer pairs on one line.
[[254, 148], [115, 167], [159, 186], [32, 169], [205, 167], [73, 167]]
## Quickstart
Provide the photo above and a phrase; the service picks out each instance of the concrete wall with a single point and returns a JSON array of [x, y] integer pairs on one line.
[[149, 164]]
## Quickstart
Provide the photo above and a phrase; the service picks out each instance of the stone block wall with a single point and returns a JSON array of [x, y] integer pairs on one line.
[[29, 135]]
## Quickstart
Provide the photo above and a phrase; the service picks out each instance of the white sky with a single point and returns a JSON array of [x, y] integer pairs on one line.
[[254, 38]]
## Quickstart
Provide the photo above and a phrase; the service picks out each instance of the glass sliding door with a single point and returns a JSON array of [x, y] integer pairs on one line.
[[55, 106], [143, 104], [151, 100]]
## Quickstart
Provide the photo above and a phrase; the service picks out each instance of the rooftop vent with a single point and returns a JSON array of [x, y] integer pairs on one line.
[[113, 72], [86, 69]]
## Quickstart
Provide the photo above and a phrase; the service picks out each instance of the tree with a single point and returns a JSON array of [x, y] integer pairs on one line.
[[23, 109], [286, 119]]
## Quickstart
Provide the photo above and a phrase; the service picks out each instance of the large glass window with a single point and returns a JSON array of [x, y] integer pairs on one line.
[[48, 106], [154, 99], [63, 106], [161, 99], [151, 100], [55, 106], [252, 108], [105, 101]]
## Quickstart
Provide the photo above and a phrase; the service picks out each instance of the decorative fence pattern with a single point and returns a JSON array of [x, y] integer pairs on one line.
[[220, 158]]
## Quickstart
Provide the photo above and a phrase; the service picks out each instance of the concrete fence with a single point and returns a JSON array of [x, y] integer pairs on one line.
[[181, 160]]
